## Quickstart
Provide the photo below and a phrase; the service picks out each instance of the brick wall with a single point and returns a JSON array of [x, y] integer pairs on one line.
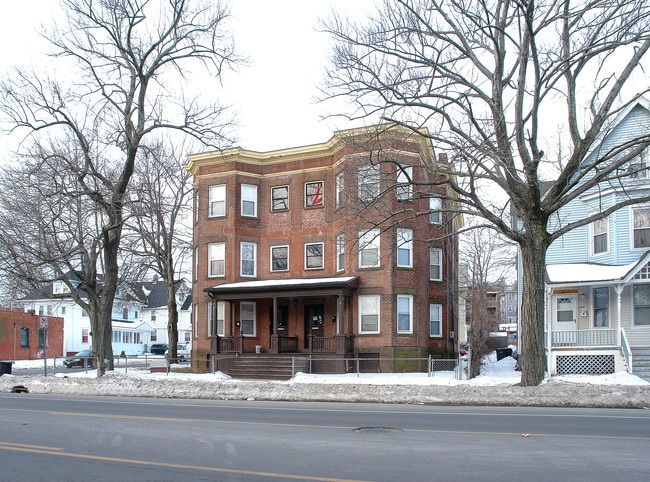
[[13, 328]]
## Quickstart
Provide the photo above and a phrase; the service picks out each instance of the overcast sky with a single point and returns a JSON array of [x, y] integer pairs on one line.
[[274, 96]]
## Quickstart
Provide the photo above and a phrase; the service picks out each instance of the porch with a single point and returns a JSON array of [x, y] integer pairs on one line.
[[342, 344]]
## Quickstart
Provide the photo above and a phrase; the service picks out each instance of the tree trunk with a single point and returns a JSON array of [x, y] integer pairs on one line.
[[172, 320], [533, 352]]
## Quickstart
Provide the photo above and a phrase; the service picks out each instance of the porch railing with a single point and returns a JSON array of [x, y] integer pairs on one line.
[[284, 344], [583, 338], [229, 344], [340, 344], [626, 351]]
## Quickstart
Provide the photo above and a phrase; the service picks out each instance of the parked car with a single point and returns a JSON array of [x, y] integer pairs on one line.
[[183, 352], [159, 348], [82, 359]]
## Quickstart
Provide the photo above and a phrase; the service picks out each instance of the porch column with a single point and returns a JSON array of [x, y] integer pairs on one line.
[[339, 313], [350, 314], [275, 315], [619, 292], [549, 329]]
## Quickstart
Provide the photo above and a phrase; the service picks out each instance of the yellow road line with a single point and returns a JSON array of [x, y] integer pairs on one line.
[[273, 475]]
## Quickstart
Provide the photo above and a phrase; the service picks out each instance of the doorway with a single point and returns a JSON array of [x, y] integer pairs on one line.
[[313, 321]]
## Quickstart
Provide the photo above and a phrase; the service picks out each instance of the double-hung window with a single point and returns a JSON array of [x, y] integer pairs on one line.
[[217, 200], [339, 190], [369, 248], [368, 183], [280, 198], [601, 307], [248, 256], [279, 258], [404, 186], [340, 252], [599, 233], [313, 194], [435, 205], [435, 320], [404, 314], [435, 264], [404, 248], [217, 257], [369, 313], [247, 315], [249, 200], [221, 317], [314, 255], [24, 338], [641, 299], [641, 226]]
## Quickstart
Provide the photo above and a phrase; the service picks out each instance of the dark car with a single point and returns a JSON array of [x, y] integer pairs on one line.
[[159, 348], [82, 359]]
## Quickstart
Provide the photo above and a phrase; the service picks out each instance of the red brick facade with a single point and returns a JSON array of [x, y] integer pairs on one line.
[[20, 338], [312, 175]]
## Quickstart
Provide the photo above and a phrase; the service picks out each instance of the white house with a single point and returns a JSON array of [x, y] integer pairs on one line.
[[154, 309], [130, 334]]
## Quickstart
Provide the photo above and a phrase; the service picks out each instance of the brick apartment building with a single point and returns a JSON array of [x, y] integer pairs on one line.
[[339, 249], [23, 338]]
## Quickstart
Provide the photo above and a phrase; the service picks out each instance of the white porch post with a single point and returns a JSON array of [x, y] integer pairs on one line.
[[549, 328], [619, 291]]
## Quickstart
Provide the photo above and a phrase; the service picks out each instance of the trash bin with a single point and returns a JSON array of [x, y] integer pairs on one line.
[[503, 353], [258, 348], [5, 367]]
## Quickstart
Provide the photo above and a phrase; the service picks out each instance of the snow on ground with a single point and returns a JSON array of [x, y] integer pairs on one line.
[[497, 385]]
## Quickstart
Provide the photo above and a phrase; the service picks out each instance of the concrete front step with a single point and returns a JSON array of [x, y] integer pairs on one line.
[[641, 362], [266, 367]]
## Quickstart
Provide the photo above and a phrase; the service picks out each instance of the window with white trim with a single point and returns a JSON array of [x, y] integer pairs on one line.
[[435, 320], [641, 226], [368, 182], [369, 248], [313, 194], [404, 186], [210, 318], [196, 263], [314, 255], [600, 236], [247, 314], [641, 299], [279, 258], [404, 248], [196, 206], [340, 252], [249, 200], [339, 190], [280, 198], [435, 206], [404, 314], [248, 259], [601, 307], [217, 259], [369, 313], [221, 318], [217, 201], [435, 264]]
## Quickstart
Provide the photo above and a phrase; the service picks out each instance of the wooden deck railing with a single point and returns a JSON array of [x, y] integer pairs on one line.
[[583, 338]]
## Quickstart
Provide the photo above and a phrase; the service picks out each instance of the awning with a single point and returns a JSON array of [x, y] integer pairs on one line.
[[576, 274], [285, 288]]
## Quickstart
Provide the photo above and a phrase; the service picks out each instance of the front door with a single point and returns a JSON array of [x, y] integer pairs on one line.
[[313, 321], [564, 319]]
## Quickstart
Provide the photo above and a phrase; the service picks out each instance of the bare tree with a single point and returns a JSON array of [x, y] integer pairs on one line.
[[489, 79], [490, 262], [126, 62], [52, 230], [161, 220]]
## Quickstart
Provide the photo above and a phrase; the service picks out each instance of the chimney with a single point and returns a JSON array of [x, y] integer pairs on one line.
[[442, 157], [155, 278]]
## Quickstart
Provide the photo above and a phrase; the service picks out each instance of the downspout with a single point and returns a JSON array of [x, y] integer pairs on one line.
[[549, 329]]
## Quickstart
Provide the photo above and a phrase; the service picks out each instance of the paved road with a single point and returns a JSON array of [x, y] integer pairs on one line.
[[91, 438]]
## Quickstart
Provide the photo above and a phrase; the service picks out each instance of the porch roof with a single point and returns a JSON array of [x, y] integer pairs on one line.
[[289, 287], [575, 274]]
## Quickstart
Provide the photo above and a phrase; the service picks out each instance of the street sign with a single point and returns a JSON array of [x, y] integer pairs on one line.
[[43, 322]]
